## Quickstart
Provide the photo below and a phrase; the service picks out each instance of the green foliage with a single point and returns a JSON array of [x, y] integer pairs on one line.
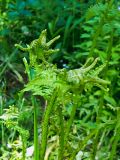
[[70, 94], [11, 118], [51, 83]]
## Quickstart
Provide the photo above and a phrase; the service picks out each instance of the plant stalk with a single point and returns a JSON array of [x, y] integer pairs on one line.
[[36, 146], [61, 134], [45, 122]]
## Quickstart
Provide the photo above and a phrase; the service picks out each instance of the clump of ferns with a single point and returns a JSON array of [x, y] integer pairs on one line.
[[58, 87], [10, 118]]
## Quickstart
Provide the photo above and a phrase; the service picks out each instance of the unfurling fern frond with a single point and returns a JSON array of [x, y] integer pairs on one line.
[[47, 80], [39, 49], [47, 77], [86, 75]]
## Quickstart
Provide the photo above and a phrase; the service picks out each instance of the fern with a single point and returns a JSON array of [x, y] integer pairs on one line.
[[58, 86], [39, 49], [10, 118], [95, 10]]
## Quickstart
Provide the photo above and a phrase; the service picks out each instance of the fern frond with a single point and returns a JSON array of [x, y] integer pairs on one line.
[[39, 49], [95, 10], [86, 75]]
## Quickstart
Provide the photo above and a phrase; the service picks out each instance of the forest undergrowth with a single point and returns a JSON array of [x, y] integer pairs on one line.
[[59, 92]]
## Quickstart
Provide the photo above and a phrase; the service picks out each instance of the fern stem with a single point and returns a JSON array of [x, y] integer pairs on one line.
[[116, 137], [2, 125], [99, 28], [45, 122], [71, 119], [36, 147], [95, 146], [61, 134], [23, 147], [114, 145], [74, 108], [108, 52], [96, 35]]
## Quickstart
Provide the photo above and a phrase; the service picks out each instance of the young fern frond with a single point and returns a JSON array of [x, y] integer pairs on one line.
[[88, 75], [39, 49]]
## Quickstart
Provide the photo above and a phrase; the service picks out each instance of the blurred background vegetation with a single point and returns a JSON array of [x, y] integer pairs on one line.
[[88, 28]]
